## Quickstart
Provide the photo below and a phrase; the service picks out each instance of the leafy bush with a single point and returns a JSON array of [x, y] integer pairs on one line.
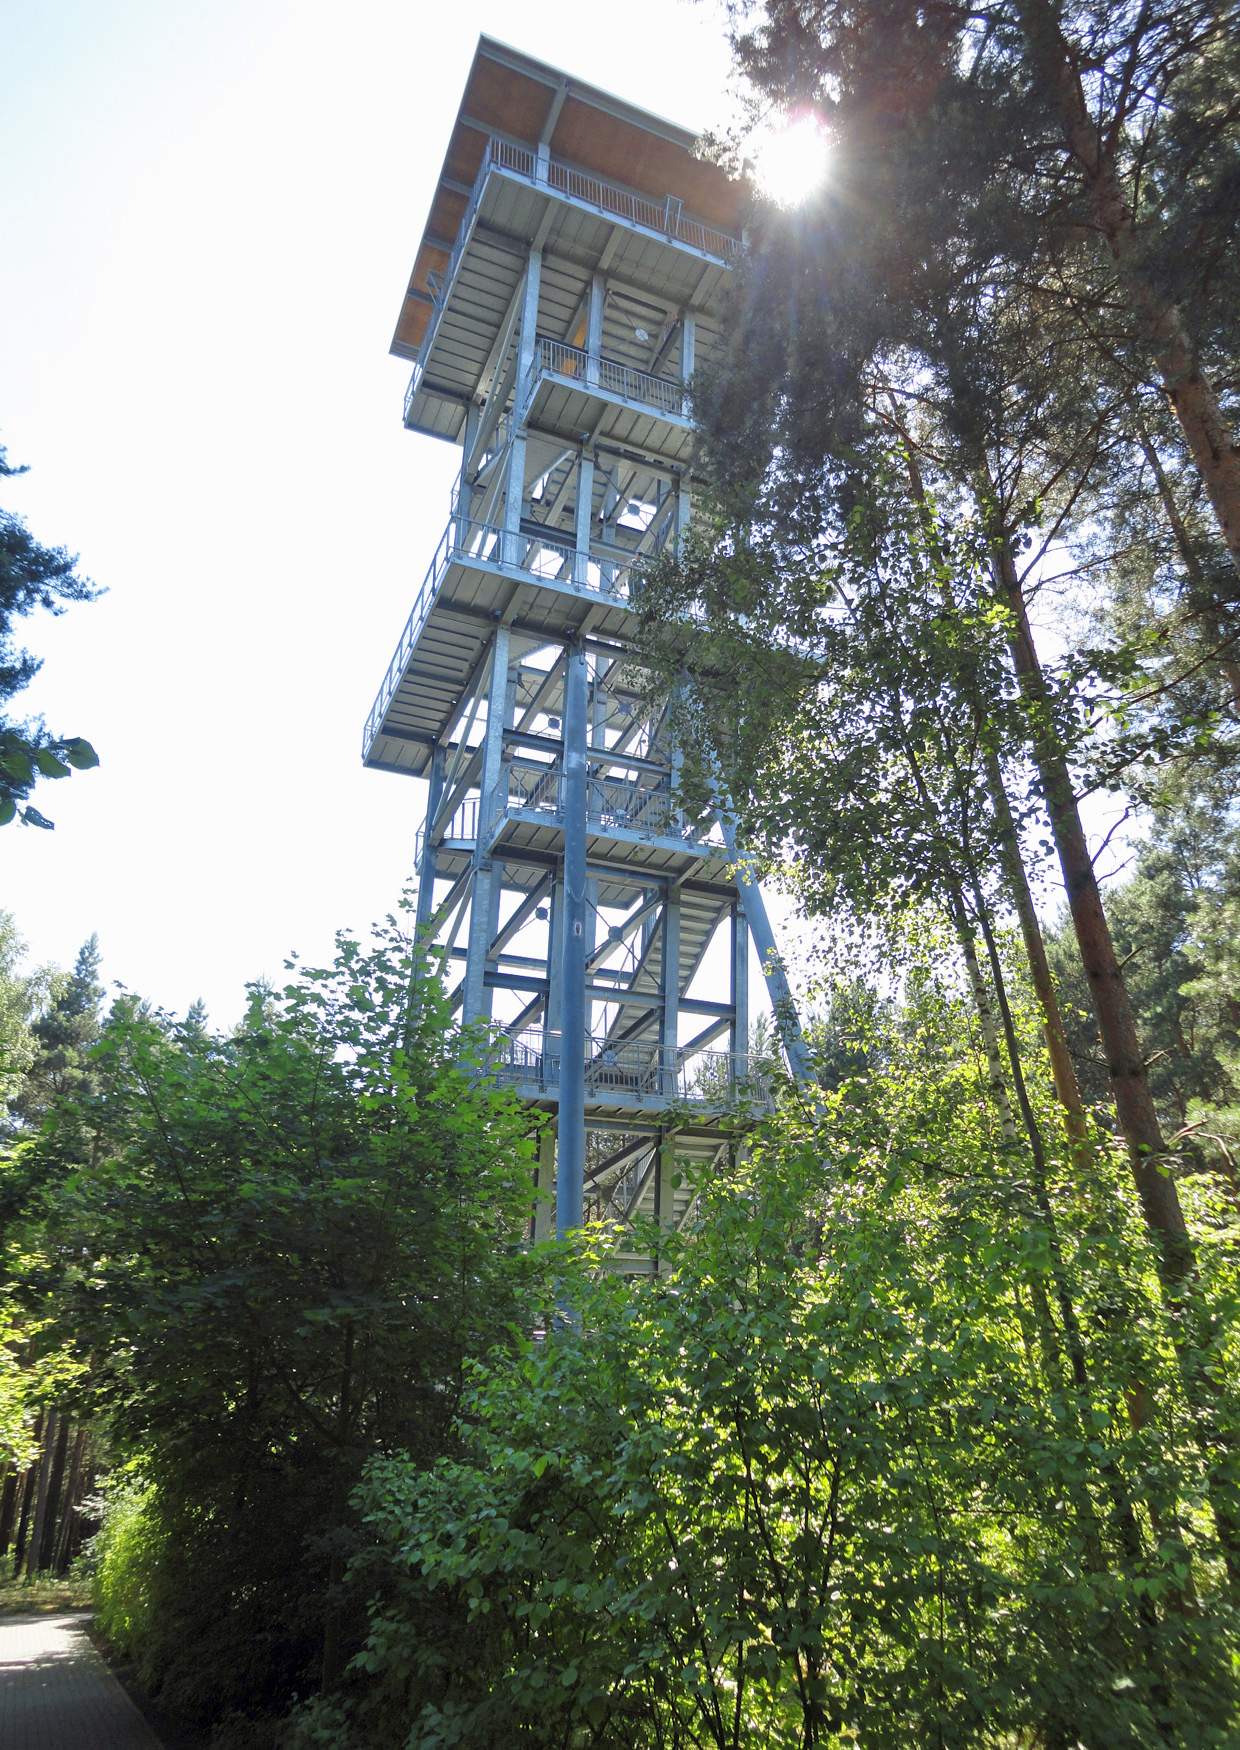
[[128, 1555], [817, 1486]]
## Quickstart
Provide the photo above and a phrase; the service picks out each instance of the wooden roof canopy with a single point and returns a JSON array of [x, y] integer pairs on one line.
[[508, 93]]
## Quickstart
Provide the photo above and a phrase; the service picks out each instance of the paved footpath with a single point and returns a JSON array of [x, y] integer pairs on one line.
[[56, 1693]]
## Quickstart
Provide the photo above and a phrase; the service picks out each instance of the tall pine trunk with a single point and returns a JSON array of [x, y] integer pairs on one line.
[[28, 1484], [42, 1480], [1211, 442], [65, 1552], [1063, 1070], [1157, 1193], [46, 1553]]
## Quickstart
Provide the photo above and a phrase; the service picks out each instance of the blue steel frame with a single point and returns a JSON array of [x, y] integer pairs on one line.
[[609, 805]]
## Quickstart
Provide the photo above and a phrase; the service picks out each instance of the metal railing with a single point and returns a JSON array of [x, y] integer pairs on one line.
[[463, 826], [533, 556], [600, 372], [667, 219], [646, 809], [639, 1071]]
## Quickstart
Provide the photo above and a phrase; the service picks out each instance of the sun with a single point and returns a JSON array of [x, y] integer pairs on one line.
[[790, 159]]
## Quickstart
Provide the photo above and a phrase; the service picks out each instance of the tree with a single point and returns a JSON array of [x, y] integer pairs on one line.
[[62, 1034], [275, 1251], [31, 575]]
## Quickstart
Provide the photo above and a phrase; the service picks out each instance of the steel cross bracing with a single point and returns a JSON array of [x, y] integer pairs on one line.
[[570, 900]]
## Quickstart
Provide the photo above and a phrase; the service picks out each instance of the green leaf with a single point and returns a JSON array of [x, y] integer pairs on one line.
[[49, 766], [80, 754]]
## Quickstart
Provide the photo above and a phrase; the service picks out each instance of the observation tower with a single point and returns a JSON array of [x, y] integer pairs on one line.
[[565, 288]]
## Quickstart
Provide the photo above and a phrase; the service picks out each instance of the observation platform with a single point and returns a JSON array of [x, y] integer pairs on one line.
[[639, 1078], [583, 220], [545, 589]]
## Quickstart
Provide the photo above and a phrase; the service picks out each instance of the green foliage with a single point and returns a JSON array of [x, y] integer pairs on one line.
[[16, 1407], [823, 1483], [1175, 916], [31, 576], [130, 1558], [275, 1250]]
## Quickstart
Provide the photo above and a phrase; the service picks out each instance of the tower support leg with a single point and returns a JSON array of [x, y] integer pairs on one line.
[[570, 1164], [782, 1000]]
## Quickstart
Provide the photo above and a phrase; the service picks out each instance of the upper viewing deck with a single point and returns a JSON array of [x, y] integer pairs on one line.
[[538, 158]]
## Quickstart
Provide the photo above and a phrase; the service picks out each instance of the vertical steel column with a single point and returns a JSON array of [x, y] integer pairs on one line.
[[669, 1014], [594, 327], [555, 967], [664, 1189], [514, 480], [571, 1152], [474, 999], [688, 350], [420, 954], [464, 489], [426, 866], [740, 987], [684, 515], [584, 520]]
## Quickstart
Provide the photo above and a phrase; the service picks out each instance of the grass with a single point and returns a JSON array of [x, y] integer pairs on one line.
[[43, 1594]]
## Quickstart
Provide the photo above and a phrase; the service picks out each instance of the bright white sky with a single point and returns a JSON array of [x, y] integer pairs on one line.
[[209, 215]]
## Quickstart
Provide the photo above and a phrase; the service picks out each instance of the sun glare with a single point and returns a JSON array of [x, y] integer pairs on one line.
[[791, 160]]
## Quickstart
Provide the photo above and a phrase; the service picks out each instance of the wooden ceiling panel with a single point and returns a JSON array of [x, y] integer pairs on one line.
[[509, 101], [645, 161]]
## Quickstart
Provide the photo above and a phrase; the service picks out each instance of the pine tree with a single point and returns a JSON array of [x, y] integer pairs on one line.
[[31, 576], [63, 1035]]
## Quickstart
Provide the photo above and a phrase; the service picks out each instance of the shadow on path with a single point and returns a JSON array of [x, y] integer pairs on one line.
[[56, 1693]]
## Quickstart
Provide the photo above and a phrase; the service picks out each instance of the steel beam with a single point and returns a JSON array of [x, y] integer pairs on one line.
[[782, 1000], [475, 1000], [570, 1166]]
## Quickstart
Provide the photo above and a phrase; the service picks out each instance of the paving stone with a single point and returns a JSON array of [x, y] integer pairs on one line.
[[56, 1693]]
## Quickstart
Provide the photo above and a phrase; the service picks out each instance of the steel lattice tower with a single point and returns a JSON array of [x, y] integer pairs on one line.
[[566, 286]]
